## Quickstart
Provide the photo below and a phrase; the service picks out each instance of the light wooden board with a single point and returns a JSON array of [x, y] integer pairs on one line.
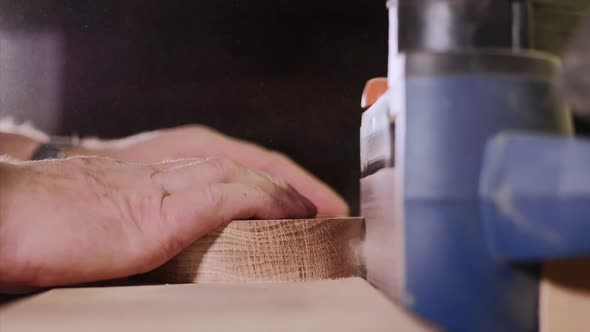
[[337, 305], [269, 250], [565, 296]]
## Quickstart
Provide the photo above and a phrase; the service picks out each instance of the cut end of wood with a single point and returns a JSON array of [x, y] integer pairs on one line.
[[251, 251]]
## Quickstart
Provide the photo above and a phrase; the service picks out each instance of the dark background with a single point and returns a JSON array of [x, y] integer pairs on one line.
[[287, 74], [284, 74]]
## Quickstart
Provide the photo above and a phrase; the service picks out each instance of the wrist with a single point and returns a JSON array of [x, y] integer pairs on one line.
[[7, 267], [17, 146], [66, 147], [15, 274], [81, 149]]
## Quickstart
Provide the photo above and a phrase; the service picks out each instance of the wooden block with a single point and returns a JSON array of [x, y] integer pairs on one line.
[[346, 305], [565, 296], [269, 250]]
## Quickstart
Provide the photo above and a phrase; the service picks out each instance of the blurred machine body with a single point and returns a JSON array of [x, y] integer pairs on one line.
[[456, 227]]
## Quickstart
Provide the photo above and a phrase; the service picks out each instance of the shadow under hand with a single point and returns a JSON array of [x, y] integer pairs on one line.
[[572, 273]]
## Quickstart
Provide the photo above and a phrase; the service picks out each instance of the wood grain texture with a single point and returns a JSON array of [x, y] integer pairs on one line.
[[269, 251], [346, 305]]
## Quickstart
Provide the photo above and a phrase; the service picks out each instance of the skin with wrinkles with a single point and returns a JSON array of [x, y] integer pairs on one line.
[[202, 142], [145, 213]]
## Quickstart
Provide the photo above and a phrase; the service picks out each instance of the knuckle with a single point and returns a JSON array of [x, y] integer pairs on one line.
[[155, 175], [226, 167], [260, 193], [281, 184], [275, 203], [279, 196], [264, 193], [213, 198]]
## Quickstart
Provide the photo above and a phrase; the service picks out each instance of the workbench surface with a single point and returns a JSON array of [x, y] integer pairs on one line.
[[339, 305]]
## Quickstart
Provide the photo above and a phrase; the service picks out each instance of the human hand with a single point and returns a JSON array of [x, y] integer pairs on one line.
[[200, 142], [88, 219]]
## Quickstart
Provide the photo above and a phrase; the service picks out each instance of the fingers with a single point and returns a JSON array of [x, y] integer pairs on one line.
[[280, 166], [209, 142], [327, 200], [189, 216], [205, 194], [189, 174], [204, 209], [177, 175]]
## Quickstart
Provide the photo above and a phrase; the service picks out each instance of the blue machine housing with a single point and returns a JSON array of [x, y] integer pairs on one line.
[[450, 277], [535, 193]]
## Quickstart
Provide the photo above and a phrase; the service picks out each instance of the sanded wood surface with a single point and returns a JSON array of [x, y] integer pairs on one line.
[[336, 305], [269, 250]]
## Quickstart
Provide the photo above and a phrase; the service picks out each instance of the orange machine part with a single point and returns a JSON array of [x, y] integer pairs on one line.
[[374, 89]]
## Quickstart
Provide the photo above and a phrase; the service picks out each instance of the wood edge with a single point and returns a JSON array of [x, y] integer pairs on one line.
[[319, 219]]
